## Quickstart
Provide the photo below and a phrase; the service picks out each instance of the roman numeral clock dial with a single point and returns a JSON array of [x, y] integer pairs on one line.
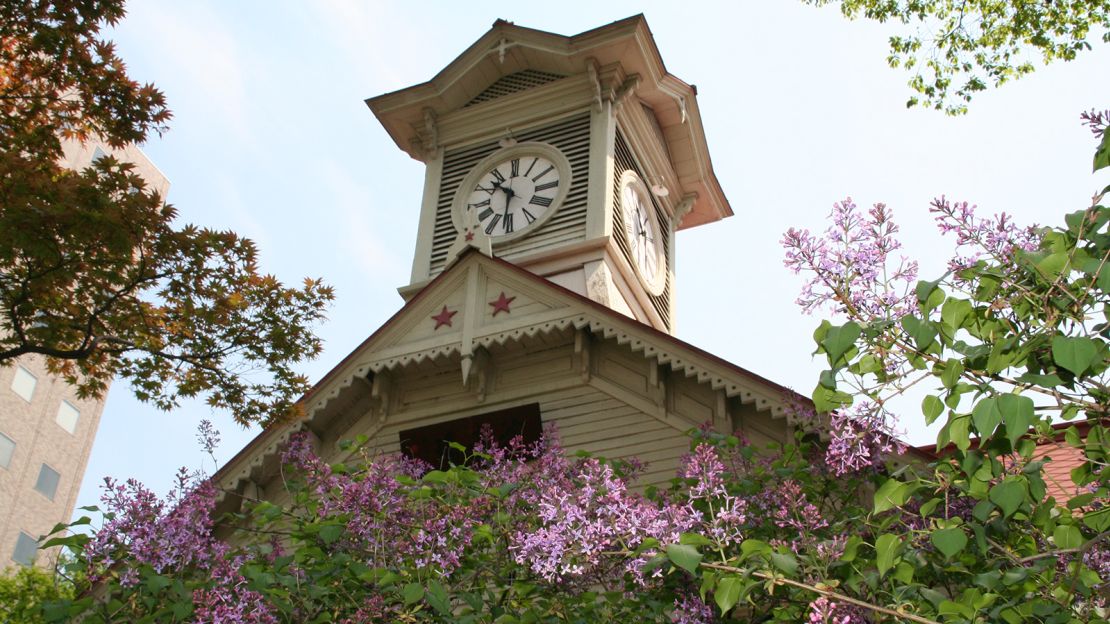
[[513, 191], [643, 233]]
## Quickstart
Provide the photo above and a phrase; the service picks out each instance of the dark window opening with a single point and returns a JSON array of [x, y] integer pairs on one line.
[[431, 443]]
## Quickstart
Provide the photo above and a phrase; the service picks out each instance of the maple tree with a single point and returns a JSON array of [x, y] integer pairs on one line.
[[956, 49], [95, 273]]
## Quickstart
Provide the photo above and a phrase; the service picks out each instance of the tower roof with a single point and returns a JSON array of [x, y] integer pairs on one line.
[[506, 49]]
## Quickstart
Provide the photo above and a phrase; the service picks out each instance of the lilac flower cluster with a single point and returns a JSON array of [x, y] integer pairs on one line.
[[1096, 121], [689, 608], [173, 537], [861, 437], [976, 237], [853, 271], [580, 525], [825, 611]]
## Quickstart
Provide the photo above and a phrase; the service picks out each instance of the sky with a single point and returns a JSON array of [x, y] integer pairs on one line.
[[271, 138]]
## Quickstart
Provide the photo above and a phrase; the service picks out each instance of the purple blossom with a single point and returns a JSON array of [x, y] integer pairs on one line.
[[997, 237], [580, 524], [1096, 121], [689, 608], [707, 471], [862, 438], [208, 436], [851, 265], [825, 611]]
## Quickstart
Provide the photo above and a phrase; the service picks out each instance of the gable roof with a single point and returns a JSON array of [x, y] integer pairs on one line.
[[411, 336]]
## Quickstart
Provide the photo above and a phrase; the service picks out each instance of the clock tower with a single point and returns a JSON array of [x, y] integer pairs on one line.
[[576, 158], [542, 291]]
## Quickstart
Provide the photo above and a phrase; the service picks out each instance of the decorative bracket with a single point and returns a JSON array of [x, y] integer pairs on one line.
[[684, 207], [482, 365], [591, 69], [627, 88], [431, 131], [381, 388], [583, 345]]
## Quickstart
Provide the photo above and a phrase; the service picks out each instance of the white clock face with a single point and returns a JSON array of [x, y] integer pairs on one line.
[[645, 242], [514, 194]]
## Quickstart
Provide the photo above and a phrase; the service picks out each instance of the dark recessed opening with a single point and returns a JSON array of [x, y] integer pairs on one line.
[[430, 443]]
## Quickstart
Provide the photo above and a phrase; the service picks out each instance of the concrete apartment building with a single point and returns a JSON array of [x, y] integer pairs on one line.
[[46, 431]]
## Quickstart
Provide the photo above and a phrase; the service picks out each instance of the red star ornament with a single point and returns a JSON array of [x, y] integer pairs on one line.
[[444, 317], [501, 304]]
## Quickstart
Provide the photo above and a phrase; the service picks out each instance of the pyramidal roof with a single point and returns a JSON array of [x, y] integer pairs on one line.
[[616, 57]]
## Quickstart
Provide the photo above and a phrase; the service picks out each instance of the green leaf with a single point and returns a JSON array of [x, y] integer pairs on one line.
[[851, 548], [923, 332], [1098, 520], [826, 400], [1076, 354], [785, 562], [953, 369], [956, 431], [892, 493], [838, 340], [1102, 154], [986, 416], [1067, 536], [728, 592], [931, 407], [1017, 412], [1008, 495], [1046, 381], [437, 597], [1053, 264], [412, 593], [330, 532], [694, 539], [886, 547], [684, 556], [953, 314], [925, 291], [753, 546], [949, 541]]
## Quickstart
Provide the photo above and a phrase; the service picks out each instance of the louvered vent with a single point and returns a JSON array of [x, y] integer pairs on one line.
[[513, 83], [572, 137], [626, 162]]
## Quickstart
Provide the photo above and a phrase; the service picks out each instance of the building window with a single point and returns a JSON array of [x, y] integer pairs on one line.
[[25, 549], [67, 416], [7, 449], [47, 484], [23, 383], [431, 443]]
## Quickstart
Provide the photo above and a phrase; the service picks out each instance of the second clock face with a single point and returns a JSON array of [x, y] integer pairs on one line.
[[516, 193], [645, 242]]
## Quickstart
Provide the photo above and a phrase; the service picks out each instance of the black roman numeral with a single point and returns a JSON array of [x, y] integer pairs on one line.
[[514, 167], [497, 175], [508, 227], [482, 216], [492, 224], [527, 215], [536, 178], [481, 204], [547, 185], [534, 161], [540, 201]]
